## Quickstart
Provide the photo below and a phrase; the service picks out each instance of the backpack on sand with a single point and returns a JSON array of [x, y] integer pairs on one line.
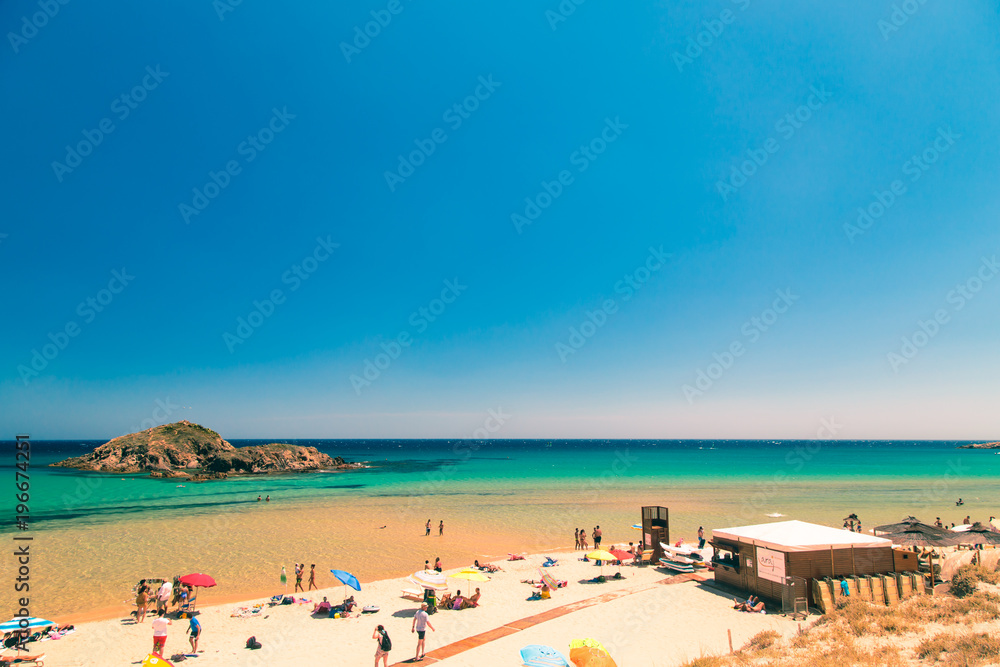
[[252, 643]]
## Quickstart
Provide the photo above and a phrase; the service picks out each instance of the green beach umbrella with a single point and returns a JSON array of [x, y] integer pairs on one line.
[[284, 578]]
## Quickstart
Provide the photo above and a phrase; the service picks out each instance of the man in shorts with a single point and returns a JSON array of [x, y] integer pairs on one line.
[[160, 624], [194, 633], [597, 537], [420, 624]]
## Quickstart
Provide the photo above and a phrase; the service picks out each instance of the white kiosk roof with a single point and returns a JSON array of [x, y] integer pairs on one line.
[[799, 536]]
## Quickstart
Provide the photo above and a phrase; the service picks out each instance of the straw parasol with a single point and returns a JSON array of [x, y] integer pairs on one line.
[[978, 534], [921, 535]]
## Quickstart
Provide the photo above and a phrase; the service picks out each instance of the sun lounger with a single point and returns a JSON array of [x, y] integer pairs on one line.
[[647, 557], [413, 594], [23, 660]]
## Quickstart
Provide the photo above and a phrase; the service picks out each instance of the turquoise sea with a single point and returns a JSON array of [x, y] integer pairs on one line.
[[928, 474]]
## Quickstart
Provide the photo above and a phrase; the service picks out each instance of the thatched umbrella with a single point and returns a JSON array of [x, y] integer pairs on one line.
[[978, 533], [903, 525], [922, 535]]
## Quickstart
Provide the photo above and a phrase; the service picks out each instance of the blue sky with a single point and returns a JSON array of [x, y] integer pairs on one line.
[[308, 135]]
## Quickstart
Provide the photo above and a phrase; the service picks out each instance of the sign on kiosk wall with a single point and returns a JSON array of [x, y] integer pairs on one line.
[[770, 565]]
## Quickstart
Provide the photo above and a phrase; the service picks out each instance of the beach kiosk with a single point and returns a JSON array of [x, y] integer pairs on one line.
[[770, 560]]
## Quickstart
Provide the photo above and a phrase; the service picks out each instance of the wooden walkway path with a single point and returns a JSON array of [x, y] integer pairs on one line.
[[463, 645]]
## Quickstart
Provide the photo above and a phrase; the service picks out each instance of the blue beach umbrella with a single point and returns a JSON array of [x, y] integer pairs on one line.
[[347, 579], [536, 655], [14, 625]]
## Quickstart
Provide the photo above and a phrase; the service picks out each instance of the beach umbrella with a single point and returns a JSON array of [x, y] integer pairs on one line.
[[978, 533], [15, 624], [636, 526], [622, 556], [199, 580], [430, 579], [907, 523], [589, 653], [536, 655], [918, 535], [601, 555], [284, 578], [153, 660], [347, 579], [471, 575]]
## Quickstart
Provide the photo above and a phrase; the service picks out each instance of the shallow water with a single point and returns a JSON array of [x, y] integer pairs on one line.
[[96, 534]]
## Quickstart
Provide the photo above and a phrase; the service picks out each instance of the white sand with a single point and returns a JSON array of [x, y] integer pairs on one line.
[[658, 625]]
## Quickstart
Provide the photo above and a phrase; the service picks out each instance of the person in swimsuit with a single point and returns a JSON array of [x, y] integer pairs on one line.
[[427, 528], [576, 538], [312, 576], [298, 577], [141, 601], [441, 528]]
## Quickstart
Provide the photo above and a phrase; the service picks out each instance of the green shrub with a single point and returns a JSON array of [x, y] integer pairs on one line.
[[763, 639], [964, 581]]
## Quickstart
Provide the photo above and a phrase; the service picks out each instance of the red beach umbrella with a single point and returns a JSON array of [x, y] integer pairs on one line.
[[197, 579]]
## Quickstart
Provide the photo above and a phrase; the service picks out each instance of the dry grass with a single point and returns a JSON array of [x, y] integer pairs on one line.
[[864, 634], [967, 577], [973, 649]]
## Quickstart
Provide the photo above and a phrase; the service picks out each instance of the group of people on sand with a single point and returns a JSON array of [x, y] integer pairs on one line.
[[169, 594], [427, 528], [581, 538], [300, 569]]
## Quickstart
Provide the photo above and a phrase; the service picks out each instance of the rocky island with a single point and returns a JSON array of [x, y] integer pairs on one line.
[[984, 445], [183, 449]]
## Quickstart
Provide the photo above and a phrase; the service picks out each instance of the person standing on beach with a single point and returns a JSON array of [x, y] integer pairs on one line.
[[160, 624], [312, 576], [428, 528], [163, 596], [420, 624], [583, 539], [576, 538], [701, 537], [194, 633], [298, 577], [141, 601], [384, 646], [597, 537], [441, 528]]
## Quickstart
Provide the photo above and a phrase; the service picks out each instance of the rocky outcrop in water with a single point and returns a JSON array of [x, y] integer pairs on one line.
[[183, 449]]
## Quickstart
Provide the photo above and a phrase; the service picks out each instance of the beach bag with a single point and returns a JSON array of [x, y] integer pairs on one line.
[[385, 643], [252, 643]]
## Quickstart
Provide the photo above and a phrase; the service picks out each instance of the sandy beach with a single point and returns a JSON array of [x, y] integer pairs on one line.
[[646, 618]]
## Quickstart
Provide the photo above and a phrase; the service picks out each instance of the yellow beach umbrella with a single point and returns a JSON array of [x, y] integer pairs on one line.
[[601, 555], [470, 575], [589, 653]]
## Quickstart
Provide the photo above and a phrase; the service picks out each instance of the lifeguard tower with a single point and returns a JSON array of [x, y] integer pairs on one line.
[[655, 529]]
